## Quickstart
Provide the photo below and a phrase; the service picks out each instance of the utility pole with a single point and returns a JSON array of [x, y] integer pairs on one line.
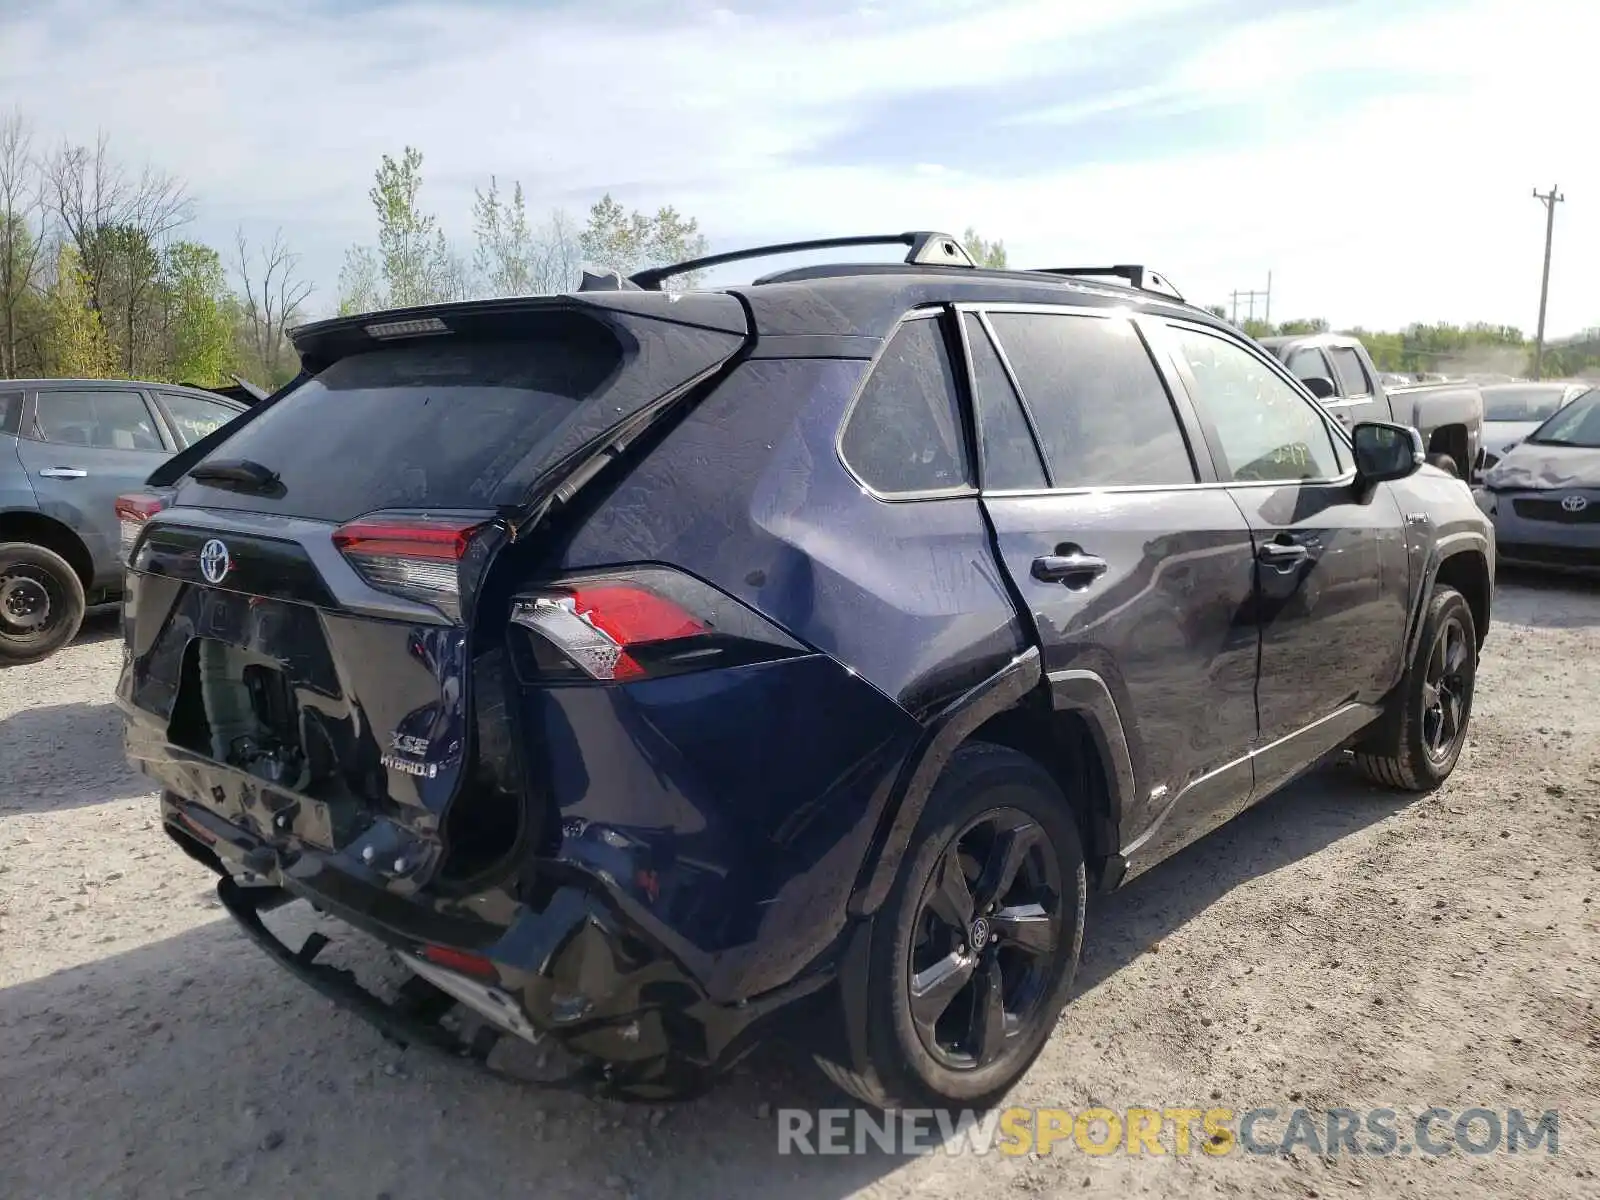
[[1549, 199], [1249, 296]]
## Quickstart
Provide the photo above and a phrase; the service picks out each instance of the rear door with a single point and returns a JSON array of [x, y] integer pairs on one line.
[[1132, 562], [1332, 569], [82, 448]]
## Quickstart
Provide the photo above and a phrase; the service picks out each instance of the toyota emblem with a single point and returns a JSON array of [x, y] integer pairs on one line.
[[1574, 504], [214, 561]]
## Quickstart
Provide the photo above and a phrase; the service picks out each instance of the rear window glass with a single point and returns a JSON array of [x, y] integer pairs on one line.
[[904, 434], [438, 424]]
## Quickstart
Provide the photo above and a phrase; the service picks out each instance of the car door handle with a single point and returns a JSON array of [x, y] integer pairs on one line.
[[1283, 554], [62, 473], [1068, 568]]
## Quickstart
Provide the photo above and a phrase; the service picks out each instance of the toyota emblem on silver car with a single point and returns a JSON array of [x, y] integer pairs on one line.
[[214, 561], [1574, 504]]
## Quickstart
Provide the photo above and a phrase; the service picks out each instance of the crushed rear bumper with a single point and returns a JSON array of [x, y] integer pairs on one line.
[[564, 959]]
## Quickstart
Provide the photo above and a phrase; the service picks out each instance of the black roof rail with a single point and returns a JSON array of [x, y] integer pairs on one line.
[[1139, 277], [927, 249]]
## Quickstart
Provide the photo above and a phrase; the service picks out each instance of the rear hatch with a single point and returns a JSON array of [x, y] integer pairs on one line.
[[302, 655]]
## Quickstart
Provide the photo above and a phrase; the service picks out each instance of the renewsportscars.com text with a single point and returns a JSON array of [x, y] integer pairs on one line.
[[1169, 1130]]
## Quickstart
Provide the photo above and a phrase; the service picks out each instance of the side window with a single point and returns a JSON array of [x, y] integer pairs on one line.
[[1098, 403], [10, 411], [100, 419], [904, 434], [1308, 364], [1267, 430], [1352, 375], [1006, 452], [195, 417]]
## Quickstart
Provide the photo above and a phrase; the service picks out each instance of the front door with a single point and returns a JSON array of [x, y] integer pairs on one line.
[[1133, 564], [1331, 562], [82, 448]]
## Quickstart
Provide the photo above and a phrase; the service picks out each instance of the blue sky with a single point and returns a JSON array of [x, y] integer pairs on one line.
[[1377, 158]]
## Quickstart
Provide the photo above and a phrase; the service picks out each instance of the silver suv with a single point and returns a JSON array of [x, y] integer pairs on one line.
[[68, 449]]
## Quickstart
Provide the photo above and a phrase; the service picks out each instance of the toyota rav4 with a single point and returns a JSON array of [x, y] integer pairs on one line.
[[640, 665]]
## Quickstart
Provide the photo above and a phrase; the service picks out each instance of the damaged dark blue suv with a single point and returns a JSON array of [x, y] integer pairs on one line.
[[641, 666]]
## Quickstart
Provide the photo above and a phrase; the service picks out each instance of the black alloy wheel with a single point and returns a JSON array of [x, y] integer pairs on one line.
[[985, 940], [1447, 690]]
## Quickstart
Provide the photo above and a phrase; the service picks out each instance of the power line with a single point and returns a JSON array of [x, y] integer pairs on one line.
[[1549, 199]]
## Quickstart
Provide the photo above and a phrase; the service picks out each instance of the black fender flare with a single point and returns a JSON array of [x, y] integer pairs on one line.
[[1383, 736], [1082, 691], [951, 726]]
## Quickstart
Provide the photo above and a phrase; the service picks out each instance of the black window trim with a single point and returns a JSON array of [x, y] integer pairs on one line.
[[1189, 424], [970, 375], [28, 426], [1274, 364], [960, 373]]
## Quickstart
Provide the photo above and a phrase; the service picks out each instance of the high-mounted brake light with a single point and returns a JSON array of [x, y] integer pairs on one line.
[[133, 511], [418, 558], [642, 624], [399, 329]]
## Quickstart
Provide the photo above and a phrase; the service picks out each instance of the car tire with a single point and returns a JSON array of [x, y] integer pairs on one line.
[[1445, 463], [1435, 698], [997, 817], [41, 603]]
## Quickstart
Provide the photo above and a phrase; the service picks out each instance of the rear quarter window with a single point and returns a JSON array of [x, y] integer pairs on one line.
[[436, 424], [904, 434], [10, 412]]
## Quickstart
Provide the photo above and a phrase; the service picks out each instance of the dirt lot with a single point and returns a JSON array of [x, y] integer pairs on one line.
[[1335, 946]]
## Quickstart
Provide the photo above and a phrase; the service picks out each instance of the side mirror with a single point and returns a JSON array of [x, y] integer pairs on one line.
[[1385, 451], [1320, 387]]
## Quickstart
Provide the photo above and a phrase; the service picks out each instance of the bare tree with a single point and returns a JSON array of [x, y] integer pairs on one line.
[[117, 221], [272, 294], [23, 213]]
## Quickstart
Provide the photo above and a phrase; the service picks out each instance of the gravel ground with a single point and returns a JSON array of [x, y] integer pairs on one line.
[[1335, 946]]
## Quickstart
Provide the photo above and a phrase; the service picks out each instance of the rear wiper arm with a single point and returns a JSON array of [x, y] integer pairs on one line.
[[240, 472]]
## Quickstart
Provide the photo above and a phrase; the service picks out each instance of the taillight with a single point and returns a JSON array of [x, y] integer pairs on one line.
[[418, 558], [133, 511], [642, 623]]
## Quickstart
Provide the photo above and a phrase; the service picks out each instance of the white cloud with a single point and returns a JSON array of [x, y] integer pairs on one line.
[[1415, 208]]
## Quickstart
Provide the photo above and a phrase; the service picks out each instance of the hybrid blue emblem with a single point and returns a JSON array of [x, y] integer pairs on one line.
[[214, 561]]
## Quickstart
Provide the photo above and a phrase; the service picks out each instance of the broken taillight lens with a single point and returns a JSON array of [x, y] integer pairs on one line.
[[133, 511], [642, 624], [414, 557]]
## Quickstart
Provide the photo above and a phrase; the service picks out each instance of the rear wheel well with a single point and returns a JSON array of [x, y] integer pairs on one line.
[[1468, 573], [1064, 745], [41, 530]]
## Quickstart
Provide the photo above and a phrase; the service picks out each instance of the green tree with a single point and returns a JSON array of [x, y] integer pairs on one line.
[[22, 240], [201, 315], [410, 244], [413, 263], [618, 240], [78, 345], [984, 254]]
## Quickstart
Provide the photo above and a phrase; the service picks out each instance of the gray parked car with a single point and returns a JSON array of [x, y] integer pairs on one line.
[[68, 449], [1514, 410], [1544, 495]]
